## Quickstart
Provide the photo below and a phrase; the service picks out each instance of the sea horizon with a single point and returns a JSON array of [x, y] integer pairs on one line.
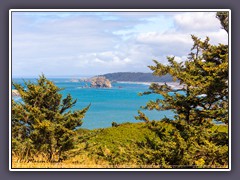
[[117, 104]]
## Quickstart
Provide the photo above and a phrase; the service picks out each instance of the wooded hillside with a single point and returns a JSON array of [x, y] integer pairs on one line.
[[136, 77]]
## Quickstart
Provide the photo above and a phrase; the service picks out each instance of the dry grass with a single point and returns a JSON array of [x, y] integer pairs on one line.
[[81, 161], [84, 162]]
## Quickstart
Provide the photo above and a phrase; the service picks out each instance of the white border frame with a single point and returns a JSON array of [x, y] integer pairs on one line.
[[112, 10]]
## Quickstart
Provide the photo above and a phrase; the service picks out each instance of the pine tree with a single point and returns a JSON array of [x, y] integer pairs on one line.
[[43, 121], [223, 17], [189, 141], [204, 76]]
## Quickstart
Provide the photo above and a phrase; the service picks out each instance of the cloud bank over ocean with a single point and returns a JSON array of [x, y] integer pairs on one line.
[[90, 43]]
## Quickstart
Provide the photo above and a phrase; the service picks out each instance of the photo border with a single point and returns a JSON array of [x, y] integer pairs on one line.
[[114, 10]]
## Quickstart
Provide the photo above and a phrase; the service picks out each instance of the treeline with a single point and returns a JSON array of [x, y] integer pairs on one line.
[[137, 77]]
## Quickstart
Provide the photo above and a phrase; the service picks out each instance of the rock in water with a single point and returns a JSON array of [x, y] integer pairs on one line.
[[100, 82], [15, 92]]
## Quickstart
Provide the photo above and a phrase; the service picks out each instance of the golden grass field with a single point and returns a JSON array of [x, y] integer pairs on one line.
[[69, 165], [84, 164]]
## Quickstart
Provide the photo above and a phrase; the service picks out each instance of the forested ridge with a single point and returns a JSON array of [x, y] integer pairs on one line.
[[137, 77]]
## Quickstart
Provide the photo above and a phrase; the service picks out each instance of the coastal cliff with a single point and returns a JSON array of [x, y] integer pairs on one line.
[[100, 82]]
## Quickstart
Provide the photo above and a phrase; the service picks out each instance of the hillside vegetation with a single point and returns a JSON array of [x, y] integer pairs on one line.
[[136, 77], [127, 146]]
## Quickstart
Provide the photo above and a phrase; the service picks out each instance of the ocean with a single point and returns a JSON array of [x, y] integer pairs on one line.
[[117, 104]]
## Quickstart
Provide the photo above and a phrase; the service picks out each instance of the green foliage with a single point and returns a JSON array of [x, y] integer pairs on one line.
[[116, 145], [223, 17], [43, 122], [182, 145], [141, 116], [189, 140], [114, 124], [158, 144], [204, 76]]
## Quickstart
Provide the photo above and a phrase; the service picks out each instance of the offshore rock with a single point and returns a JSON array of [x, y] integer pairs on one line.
[[15, 92], [100, 82]]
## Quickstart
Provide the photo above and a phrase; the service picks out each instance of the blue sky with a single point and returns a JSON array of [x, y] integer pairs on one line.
[[90, 43]]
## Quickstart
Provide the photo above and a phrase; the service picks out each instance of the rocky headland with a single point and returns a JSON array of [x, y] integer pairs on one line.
[[15, 92], [100, 82]]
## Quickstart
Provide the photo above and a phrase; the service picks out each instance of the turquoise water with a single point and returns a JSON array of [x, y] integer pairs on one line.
[[119, 104]]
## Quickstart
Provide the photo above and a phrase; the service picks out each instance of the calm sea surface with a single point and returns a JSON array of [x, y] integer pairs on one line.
[[119, 104]]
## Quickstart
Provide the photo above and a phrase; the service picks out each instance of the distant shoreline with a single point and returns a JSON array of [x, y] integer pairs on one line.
[[174, 85]]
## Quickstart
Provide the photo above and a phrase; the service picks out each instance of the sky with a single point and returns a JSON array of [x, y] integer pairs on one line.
[[80, 44]]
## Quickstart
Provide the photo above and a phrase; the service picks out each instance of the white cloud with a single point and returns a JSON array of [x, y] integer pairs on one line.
[[167, 43], [156, 38], [216, 37], [197, 21], [99, 43]]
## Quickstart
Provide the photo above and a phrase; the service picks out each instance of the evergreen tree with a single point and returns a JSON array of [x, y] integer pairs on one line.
[[223, 17], [204, 76], [178, 144], [43, 121], [189, 140]]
